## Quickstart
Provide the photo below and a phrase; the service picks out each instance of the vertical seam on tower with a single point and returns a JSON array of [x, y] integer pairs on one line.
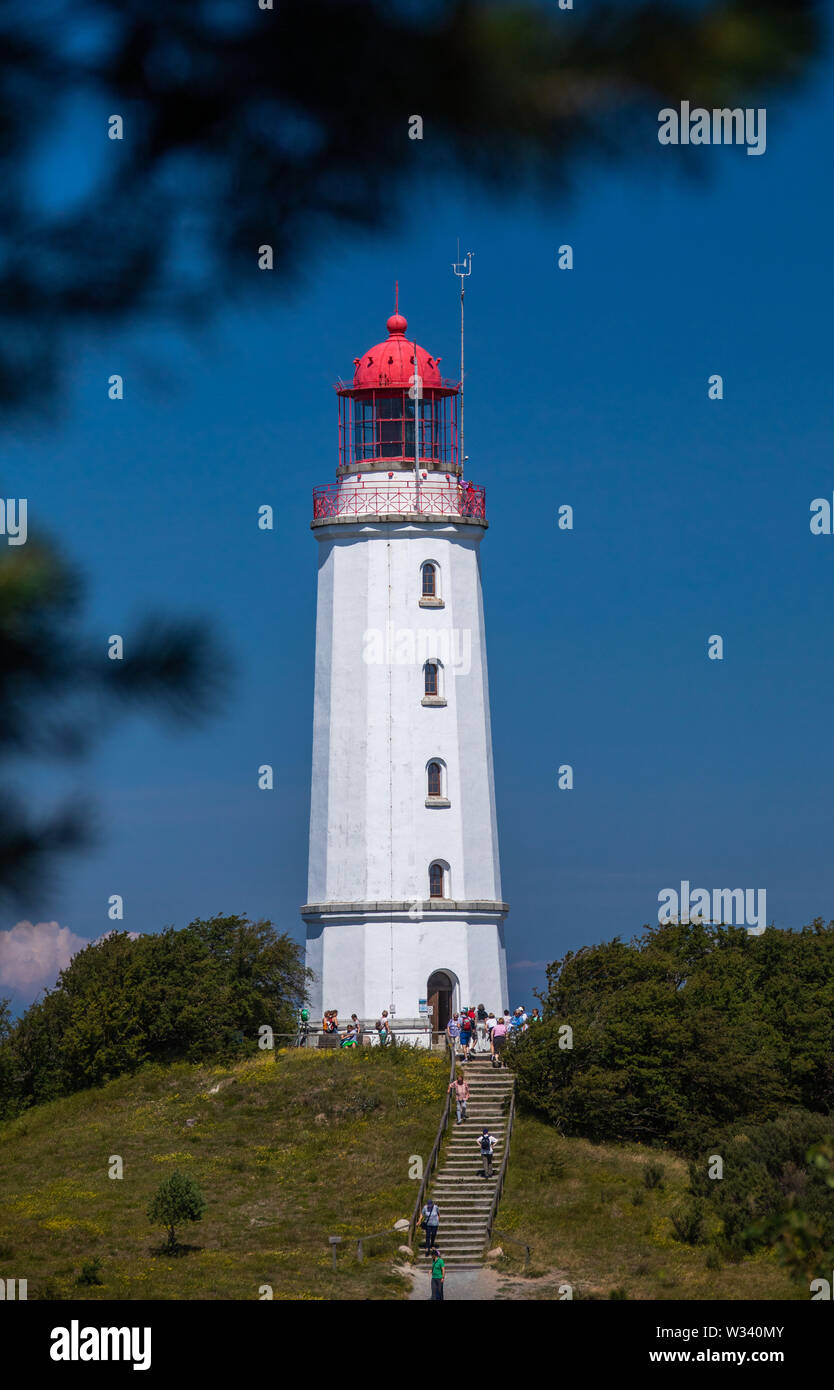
[[390, 783]]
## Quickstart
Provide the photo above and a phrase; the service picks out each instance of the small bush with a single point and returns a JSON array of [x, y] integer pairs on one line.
[[638, 1197], [688, 1222], [653, 1175], [713, 1260], [90, 1272]]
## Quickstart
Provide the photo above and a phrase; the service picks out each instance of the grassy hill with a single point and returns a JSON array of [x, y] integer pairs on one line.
[[587, 1213], [288, 1149], [292, 1147]]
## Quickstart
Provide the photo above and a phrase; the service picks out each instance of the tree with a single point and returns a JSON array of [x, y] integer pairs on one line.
[[285, 125], [59, 693], [184, 995], [177, 1200], [685, 1029]]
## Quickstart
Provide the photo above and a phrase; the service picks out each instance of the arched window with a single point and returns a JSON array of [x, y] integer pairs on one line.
[[432, 686], [436, 881], [435, 779], [429, 580]]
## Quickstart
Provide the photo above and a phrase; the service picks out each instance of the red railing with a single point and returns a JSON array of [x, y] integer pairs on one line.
[[339, 499]]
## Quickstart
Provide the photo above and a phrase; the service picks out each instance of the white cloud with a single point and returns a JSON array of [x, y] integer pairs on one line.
[[32, 955]]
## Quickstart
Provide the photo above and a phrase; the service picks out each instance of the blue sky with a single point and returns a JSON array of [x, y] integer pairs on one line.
[[587, 387]]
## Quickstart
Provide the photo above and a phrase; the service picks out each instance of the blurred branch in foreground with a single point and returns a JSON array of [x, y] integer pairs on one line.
[[246, 126]]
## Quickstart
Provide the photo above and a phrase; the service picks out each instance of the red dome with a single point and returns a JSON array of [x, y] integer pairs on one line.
[[392, 363]]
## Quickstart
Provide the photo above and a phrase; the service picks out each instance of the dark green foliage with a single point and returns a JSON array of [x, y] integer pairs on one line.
[[59, 694], [688, 1222], [234, 112], [773, 1189], [178, 1199], [683, 1030], [91, 1272], [185, 995]]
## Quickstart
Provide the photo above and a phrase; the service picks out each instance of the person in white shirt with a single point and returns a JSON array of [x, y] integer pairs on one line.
[[430, 1222]]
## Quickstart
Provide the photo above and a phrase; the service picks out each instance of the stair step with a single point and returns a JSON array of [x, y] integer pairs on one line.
[[460, 1201], [476, 1240]]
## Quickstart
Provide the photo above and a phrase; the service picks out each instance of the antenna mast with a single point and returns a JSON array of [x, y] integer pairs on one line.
[[462, 268]]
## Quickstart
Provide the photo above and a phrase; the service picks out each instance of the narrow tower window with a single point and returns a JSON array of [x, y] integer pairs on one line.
[[429, 581], [435, 780], [431, 678], [436, 881]]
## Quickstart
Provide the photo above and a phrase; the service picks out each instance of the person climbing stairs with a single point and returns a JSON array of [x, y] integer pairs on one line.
[[462, 1193]]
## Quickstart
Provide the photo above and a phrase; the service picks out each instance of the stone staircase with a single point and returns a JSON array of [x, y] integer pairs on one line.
[[462, 1193]]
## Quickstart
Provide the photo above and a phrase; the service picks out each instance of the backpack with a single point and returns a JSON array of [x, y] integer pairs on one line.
[[485, 1144]]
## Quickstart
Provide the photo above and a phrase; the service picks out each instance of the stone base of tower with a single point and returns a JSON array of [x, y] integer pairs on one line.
[[418, 961]]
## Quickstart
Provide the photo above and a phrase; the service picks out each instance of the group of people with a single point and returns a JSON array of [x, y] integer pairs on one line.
[[474, 1031], [352, 1035]]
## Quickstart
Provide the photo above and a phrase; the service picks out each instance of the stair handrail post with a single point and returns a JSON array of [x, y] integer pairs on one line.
[[441, 1130], [504, 1235]]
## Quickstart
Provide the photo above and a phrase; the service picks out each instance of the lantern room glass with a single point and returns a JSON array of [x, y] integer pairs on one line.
[[379, 425]]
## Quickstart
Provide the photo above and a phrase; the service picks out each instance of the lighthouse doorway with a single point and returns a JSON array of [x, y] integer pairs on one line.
[[440, 992]]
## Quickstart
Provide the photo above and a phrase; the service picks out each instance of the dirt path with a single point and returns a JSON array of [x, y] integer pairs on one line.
[[484, 1285], [460, 1285]]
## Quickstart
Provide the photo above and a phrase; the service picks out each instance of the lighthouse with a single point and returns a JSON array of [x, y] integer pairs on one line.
[[404, 908]]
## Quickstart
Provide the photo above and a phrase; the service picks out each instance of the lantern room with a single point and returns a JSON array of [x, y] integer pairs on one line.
[[377, 414]]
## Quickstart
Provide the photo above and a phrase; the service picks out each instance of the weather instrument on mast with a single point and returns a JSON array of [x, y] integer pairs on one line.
[[462, 268]]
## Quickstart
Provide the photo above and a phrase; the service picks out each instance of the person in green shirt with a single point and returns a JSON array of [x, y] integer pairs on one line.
[[438, 1274]]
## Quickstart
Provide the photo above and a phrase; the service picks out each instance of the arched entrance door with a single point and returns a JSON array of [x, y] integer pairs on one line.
[[439, 993]]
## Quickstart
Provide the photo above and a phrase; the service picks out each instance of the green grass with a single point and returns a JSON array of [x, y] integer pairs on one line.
[[296, 1146], [292, 1148], [573, 1203]]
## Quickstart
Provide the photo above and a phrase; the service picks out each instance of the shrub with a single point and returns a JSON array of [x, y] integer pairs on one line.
[[774, 1190], [688, 1222], [653, 1175], [178, 1199], [90, 1272]]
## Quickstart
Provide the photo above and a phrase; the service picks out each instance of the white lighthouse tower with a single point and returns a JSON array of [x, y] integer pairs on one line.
[[404, 907]]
